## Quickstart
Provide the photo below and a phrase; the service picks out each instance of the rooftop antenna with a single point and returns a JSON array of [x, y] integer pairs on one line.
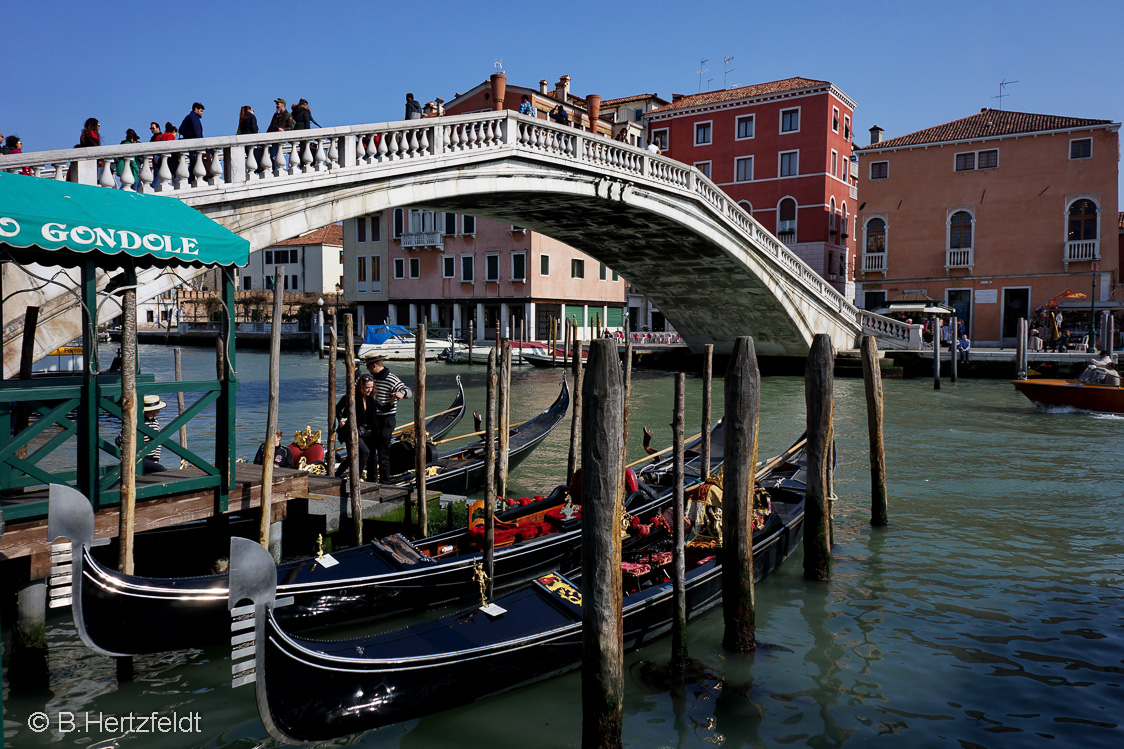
[[702, 70], [1003, 84], [498, 63], [726, 72], [708, 82]]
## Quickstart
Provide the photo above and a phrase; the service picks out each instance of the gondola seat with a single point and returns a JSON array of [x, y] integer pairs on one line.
[[633, 575], [558, 520]]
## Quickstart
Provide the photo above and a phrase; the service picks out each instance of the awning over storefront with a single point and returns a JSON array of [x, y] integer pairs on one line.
[[915, 303], [43, 214]]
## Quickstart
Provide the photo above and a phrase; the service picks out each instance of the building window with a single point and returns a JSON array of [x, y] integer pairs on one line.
[[577, 268], [415, 267], [704, 167], [745, 126], [987, 159], [376, 273], [790, 120], [616, 276], [847, 127], [786, 220], [834, 163], [831, 219], [1081, 148], [743, 169], [468, 225], [965, 162], [601, 274], [399, 223], [247, 284], [376, 228], [450, 225], [269, 257], [448, 267], [399, 267], [1082, 221], [659, 137], [491, 267], [702, 133], [361, 271], [960, 231], [873, 300], [875, 235], [519, 266], [879, 169], [361, 229], [466, 268], [790, 163], [295, 284], [544, 265], [835, 119]]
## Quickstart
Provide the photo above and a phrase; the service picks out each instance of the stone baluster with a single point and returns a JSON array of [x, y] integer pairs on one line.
[[423, 142], [146, 175], [333, 153], [106, 178], [182, 173], [252, 164], [320, 158], [127, 178], [383, 150], [305, 147], [164, 172], [462, 137], [216, 167], [447, 138], [364, 154], [266, 163], [198, 170], [471, 136], [412, 144]]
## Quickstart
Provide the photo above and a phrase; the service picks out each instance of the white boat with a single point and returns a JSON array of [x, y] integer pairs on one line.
[[480, 352], [397, 342]]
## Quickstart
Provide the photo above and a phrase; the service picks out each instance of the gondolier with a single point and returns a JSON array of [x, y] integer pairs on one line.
[[389, 389]]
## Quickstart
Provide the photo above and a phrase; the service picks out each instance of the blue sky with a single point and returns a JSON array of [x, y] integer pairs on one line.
[[130, 63]]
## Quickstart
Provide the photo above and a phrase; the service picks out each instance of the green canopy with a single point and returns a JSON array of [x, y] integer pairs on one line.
[[52, 215]]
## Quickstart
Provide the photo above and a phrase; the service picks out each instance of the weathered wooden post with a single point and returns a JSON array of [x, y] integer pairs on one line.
[[177, 363], [575, 410], [1020, 349], [128, 430], [271, 418], [553, 340], [354, 477], [818, 386], [936, 327], [220, 354], [490, 473], [503, 415], [471, 335], [566, 344], [419, 431], [954, 342], [627, 394], [679, 578], [1109, 333], [602, 474], [742, 410], [330, 458], [872, 380], [708, 381]]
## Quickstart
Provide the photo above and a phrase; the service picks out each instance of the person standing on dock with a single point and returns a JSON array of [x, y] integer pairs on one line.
[[389, 389], [364, 423]]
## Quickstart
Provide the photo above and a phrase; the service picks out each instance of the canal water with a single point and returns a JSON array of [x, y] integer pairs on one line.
[[989, 612]]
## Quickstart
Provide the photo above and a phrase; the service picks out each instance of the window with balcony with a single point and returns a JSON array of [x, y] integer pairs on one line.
[[789, 163], [960, 241], [466, 268], [577, 268], [790, 120], [745, 126], [786, 220], [874, 248], [399, 267], [1082, 148], [879, 169], [492, 267], [519, 266], [1082, 240], [743, 169], [702, 133], [448, 267]]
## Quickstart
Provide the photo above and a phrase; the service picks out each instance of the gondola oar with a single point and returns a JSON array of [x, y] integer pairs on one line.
[[470, 434]]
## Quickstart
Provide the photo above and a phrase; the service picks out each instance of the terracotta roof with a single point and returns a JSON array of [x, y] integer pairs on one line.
[[745, 92], [625, 99], [331, 234], [987, 123]]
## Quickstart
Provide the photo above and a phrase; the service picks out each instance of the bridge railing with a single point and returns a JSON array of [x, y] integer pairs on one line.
[[195, 167]]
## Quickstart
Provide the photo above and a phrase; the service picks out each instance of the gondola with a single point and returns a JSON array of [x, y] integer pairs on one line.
[[118, 614], [315, 690]]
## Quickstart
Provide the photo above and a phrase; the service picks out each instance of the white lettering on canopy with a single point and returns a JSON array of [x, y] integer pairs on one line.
[[107, 238], [9, 227]]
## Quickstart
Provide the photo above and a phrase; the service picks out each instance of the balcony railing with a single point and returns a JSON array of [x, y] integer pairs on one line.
[[874, 262], [1084, 249], [963, 257], [788, 237], [853, 191], [423, 239]]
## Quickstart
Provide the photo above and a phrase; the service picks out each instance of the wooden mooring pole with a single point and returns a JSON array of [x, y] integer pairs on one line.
[[679, 576], [419, 432], [271, 417], [490, 473], [575, 410], [742, 411], [872, 381], [936, 328], [503, 415], [354, 477], [330, 459], [818, 398], [953, 342], [178, 364], [1020, 349], [708, 380], [128, 431], [627, 395], [602, 473]]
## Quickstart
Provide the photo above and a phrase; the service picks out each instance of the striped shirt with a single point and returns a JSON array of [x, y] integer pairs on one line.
[[386, 385]]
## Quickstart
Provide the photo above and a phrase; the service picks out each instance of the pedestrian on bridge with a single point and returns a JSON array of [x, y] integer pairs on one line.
[[192, 125], [413, 109], [282, 122], [560, 115], [302, 116], [247, 121]]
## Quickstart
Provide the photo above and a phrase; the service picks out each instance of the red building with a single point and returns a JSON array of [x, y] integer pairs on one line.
[[783, 151]]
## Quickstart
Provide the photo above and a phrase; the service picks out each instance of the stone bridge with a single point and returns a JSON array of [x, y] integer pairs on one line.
[[713, 270]]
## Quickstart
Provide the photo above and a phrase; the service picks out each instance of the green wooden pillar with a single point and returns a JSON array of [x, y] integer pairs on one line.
[[88, 479], [224, 416]]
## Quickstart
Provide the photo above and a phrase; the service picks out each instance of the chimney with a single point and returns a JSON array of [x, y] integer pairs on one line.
[[562, 90], [876, 134], [677, 97], [593, 104], [440, 105], [542, 86], [499, 89]]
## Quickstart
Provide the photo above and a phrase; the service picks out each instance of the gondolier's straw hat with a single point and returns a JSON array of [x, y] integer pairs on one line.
[[153, 403]]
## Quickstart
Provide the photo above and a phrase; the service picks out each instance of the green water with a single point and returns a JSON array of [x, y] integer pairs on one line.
[[989, 612]]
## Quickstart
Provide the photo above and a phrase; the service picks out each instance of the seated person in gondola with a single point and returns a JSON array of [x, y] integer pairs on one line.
[[1098, 368], [282, 458]]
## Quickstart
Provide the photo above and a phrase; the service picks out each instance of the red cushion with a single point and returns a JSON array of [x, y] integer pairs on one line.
[[296, 452], [631, 483], [314, 453], [527, 531]]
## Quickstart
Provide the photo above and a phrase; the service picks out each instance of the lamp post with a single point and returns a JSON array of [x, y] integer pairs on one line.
[[320, 326]]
